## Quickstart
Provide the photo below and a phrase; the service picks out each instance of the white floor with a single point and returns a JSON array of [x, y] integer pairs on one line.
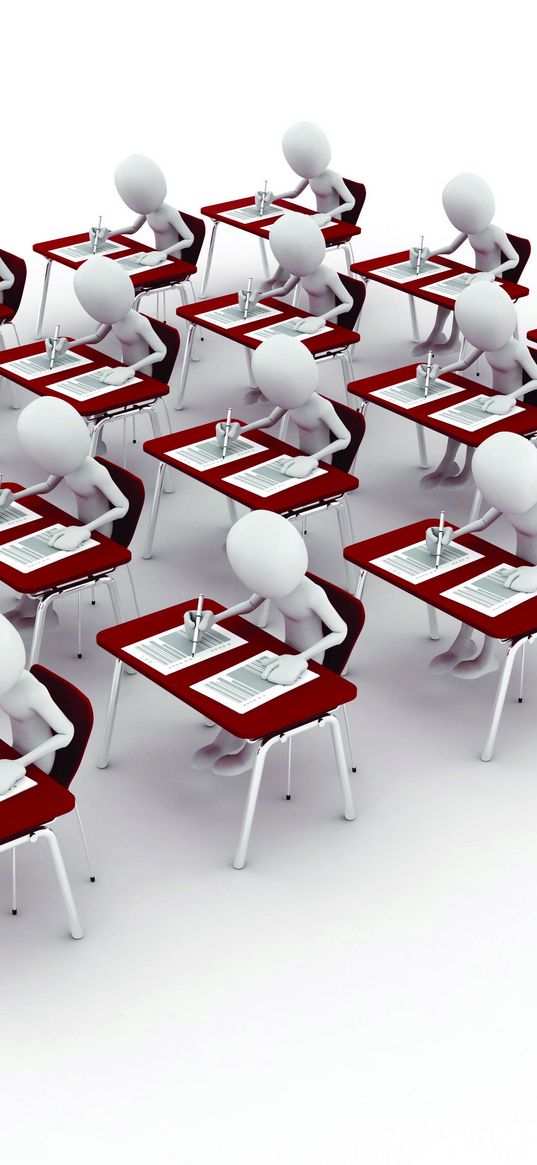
[[361, 991]]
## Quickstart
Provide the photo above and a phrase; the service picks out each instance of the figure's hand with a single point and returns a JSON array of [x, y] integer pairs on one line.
[[499, 405], [286, 669], [117, 376], [524, 578], [413, 256], [102, 233], [311, 325], [61, 345], [69, 539], [421, 374], [11, 771], [298, 466], [322, 220], [233, 431], [431, 538], [6, 497], [259, 198], [151, 258], [205, 623], [480, 277], [253, 300]]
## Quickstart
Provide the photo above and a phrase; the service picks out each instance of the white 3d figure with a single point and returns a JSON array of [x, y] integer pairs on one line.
[[299, 247], [487, 319], [307, 150], [469, 204], [270, 558], [55, 436], [39, 727], [105, 291], [6, 279], [505, 471], [142, 186], [288, 377]]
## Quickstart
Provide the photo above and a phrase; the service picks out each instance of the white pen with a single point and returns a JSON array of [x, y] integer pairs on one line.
[[263, 200], [439, 542], [197, 617], [53, 349], [226, 434], [97, 233], [247, 299], [420, 249], [427, 374]]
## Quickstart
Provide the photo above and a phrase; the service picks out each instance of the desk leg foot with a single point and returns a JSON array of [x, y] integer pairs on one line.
[[349, 811]]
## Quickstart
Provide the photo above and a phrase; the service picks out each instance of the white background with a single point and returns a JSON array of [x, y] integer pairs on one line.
[[360, 992]]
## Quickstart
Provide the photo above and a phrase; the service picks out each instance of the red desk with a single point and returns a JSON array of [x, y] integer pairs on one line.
[[517, 627], [329, 490], [303, 708], [330, 343], [144, 281], [336, 234], [79, 570]]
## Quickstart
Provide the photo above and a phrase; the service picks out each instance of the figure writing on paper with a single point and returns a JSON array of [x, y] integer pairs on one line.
[[505, 471], [38, 726], [470, 206], [487, 319], [55, 436], [298, 246], [269, 557], [7, 279], [307, 150], [107, 294], [288, 377], [142, 186]]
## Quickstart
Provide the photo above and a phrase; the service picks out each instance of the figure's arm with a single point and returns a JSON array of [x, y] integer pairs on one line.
[[186, 238], [461, 365], [445, 249], [287, 669], [340, 292], [157, 352], [43, 704], [294, 193], [280, 291], [448, 534], [347, 199], [208, 619], [43, 487], [263, 423], [304, 464], [507, 249], [7, 279], [129, 230], [74, 536], [502, 404], [94, 338]]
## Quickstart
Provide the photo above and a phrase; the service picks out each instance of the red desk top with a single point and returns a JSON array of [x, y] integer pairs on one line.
[[172, 273], [119, 398], [330, 485], [34, 807], [310, 700], [334, 234], [6, 313], [532, 336], [423, 286], [520, 621], [523, 423], [337, 337], [106, 556]]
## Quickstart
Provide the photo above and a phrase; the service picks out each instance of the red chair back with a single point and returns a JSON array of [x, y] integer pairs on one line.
[[17, 266], [170, 338], [191, 254], [357, 289], [76, 706], [355, 422], [352, 611], [523, 249], [132, 487], [358, 191]]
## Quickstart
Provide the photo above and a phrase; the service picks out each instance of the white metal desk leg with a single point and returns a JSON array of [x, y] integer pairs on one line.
[[39, 627], [251, 377], [522, 663], [63, 882], [499, 701], [233, 511], [185, 366], [360, 587], [349, 574], [113, 590], [343, 772], [14, 880], [476, 506], [432, 616], [102, 760], [249, 808], [264, 257], [85, 845], [209, 261], [349, 737], [422, 447], [148, 549], [43, 303], [413, 318]]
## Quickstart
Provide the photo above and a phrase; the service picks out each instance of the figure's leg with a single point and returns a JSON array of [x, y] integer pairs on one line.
[[447, 468], [466, 471], [223, 745], [436, 338], [463, 648], [486, 661]]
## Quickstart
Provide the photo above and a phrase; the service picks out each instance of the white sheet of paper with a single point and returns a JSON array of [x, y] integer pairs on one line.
[[131, 264], [451, 288], [15, 515], [88, 385], [406, 272], [232, 316], [33, 551], [207, 454], [21, 787], [416, 565], [267, 479], [242, 687], [487, 592], [249, 213], [285, 328], [79, 252], [409, 394], [469, 414], [34, 367], [171, 651]]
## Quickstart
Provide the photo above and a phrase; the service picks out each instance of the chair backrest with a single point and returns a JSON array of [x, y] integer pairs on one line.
[[355, 423], [352, 611], [358, 191], [523, 249], [162, 371], [17, 266], [132, 487], [357, 289], [76, 706], [191, 254]]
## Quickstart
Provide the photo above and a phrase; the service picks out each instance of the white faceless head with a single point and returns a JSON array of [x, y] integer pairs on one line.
[[54, 435], [505, 470], [297, 243], [267, 554], [306, 149], [103, 289], [469, 203], [140, 183], [285, 372], [486, 315]]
